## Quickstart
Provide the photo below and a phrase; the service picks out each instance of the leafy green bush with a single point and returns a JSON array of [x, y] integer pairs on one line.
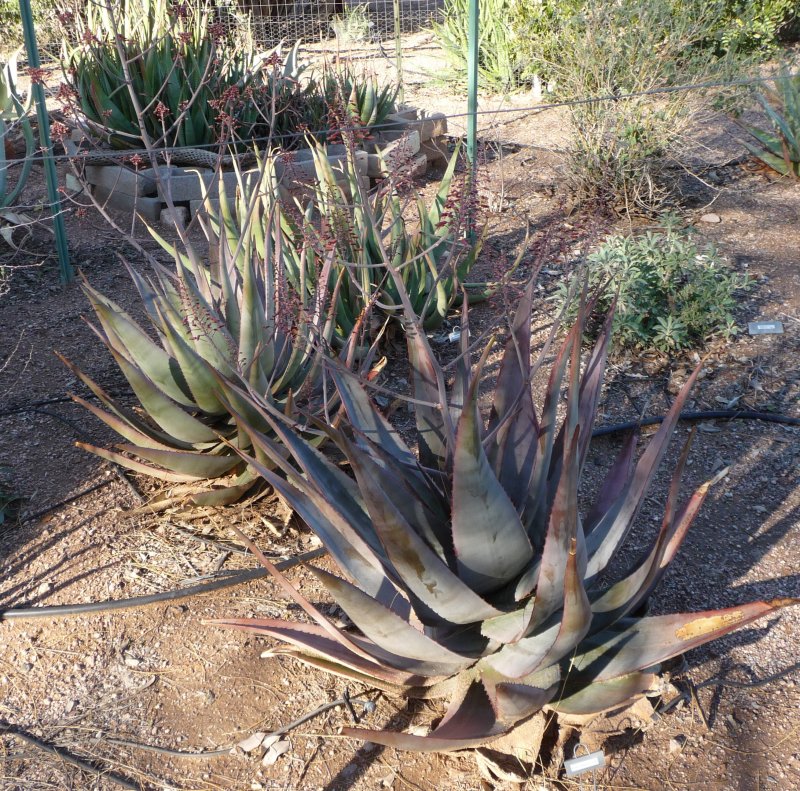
[[672, 294], [44, 18], [521, 41], [755, 24]]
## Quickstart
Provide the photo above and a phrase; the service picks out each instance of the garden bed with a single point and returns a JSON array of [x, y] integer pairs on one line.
[[160, 676]]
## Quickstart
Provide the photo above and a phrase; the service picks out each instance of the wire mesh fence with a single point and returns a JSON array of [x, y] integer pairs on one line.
[[349, 22]]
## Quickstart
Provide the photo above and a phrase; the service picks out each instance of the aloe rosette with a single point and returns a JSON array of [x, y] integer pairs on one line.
[[779, 148], [466, 569], [234, 323]]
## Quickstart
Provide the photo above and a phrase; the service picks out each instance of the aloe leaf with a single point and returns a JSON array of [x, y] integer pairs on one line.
[[331, 520], [592, 383], [604, 540], [557, 639], [490, 542], [414, 496], [194, 465], [512, 451], [780, 123], [777, 163], [136, 466], [310, 609], [316, 641], [424, 573], [392, 633], [128, 338], [124, 415], [624, 596], [198, 373], [771, 141], [535, 517], [614, 483], [469, 722], [367, 420], [604, 696], [648, 641], [514, 701], [172, 417], [547, 573], [435, 432], [329, 666], [128, 431]]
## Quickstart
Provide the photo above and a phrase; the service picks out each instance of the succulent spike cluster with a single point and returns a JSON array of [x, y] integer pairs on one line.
[[468, 571]]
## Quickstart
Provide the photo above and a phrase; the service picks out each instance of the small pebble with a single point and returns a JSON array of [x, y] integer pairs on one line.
[[711, 217]]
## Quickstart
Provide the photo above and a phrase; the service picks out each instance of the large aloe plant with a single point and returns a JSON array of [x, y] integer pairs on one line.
[[467, 570], [235, 322], [779, 148]]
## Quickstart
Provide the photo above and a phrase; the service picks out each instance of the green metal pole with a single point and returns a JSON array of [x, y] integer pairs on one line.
[[46, 145], [473, 32], [472, 82], [398, 50]]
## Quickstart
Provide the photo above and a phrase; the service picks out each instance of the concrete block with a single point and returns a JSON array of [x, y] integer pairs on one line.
[[419, 166], [73, 184], [117, 178], [147, 206], [435, 149], [433, 125], [429, 126], [199, 207], [178, 216], [393, 154], [298, 166]]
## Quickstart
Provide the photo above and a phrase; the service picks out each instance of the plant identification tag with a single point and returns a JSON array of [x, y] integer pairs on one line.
[[585, 763], [765, 328]]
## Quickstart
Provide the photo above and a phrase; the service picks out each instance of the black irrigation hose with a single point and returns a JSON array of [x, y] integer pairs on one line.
[[714, 414], [64, 755], [236, 578]]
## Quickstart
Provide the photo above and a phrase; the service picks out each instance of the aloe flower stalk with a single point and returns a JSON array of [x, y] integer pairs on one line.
[[467, 569]]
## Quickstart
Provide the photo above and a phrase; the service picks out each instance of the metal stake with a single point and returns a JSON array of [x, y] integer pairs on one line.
[[37, 90]]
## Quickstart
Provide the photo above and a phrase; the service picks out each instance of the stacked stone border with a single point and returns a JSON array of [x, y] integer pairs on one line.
[[408, 141]]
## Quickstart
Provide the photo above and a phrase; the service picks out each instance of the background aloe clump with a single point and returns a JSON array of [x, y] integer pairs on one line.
[[779, 147], [14, 120], [167, 71], [467, 569]]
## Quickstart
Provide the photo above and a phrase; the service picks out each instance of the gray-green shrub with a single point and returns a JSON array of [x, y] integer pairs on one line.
[[672, 293]]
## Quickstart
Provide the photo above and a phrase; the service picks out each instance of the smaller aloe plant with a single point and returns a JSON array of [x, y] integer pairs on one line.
[[236, 323], [370, 238], [779, 148], [13, 117], [467, 570], [366, 99]]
